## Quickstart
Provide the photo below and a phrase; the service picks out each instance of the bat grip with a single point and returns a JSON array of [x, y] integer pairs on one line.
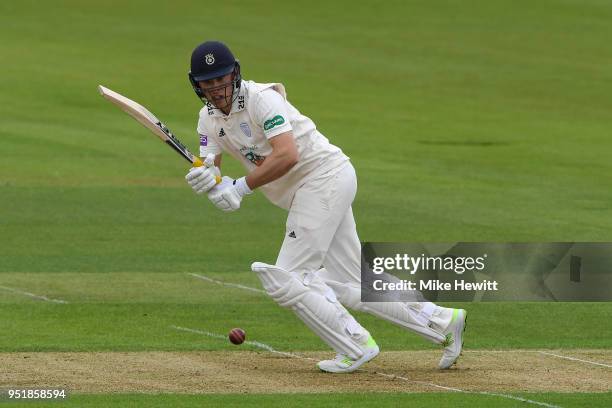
[[197, 162]]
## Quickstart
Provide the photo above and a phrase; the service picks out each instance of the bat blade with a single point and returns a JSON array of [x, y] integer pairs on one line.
[[150, 121]]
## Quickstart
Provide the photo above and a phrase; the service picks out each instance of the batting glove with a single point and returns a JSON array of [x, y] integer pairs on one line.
[[228, 195], [202, 179]]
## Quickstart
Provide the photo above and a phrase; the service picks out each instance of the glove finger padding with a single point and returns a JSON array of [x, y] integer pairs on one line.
[[221, 203], [196, 173], [232, 197], [224, 196], [202, 179], [193, 173], [203, 185]]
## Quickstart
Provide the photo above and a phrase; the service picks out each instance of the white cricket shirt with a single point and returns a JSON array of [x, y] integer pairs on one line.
[[260, 112]]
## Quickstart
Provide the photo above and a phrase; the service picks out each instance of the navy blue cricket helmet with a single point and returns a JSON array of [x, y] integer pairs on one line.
[[212, 59]]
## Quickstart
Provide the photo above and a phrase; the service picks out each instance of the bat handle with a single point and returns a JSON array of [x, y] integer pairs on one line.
[[197, 162]]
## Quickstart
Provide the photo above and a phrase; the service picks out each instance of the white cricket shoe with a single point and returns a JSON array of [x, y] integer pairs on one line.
[[454, 339], [344, 364]]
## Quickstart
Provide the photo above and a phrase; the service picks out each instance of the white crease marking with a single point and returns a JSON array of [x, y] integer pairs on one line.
[[252, 343], [232, 285], [547, 353], [32, 295], [575, 359], [514, 397], [430, 384]]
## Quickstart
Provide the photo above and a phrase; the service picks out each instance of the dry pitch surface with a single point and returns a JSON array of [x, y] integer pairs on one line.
[[264, 372]]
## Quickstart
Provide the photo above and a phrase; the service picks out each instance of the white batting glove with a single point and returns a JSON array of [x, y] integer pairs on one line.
[[202, 179], [228, 194]]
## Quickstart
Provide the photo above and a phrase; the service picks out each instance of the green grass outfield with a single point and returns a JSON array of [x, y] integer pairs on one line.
[[458, 400], [478, 121], [134, 311]]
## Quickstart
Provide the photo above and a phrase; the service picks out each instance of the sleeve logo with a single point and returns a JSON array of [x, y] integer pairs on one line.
[[275, 121], [203, 140]]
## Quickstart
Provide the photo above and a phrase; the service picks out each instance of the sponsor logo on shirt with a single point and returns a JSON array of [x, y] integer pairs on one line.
[[255, 158], [275, 121], [249, 153], [203, 140], [241, 102], [245, 129]]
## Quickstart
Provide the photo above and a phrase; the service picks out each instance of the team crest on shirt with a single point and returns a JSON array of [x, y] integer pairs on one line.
[[245, 129], [221, 133]]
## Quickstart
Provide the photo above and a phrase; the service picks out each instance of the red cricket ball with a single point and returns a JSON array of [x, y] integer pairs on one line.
[[237, 336]]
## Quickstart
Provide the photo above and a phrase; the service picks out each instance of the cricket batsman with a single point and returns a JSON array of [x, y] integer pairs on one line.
[[317, 272]]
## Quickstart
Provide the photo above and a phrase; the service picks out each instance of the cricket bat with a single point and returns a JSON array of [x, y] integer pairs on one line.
[[150, 121]]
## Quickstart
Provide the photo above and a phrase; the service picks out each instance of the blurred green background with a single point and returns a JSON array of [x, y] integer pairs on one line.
[[464, 122]]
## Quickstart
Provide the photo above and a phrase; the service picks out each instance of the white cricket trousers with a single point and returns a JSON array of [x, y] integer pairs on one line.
[[321, 230]]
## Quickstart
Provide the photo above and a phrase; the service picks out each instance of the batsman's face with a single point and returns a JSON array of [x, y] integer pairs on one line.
[[218, 91]]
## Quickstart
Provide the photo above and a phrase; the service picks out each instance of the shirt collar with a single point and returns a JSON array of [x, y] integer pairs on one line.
[[238, 105]]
